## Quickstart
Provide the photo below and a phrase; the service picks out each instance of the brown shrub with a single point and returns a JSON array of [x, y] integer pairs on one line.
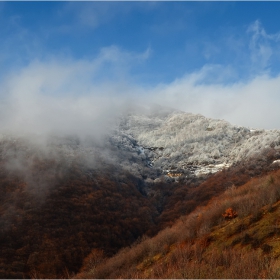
[[230, 214]]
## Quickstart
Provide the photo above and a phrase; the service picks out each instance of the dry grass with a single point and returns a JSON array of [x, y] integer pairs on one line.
[[205, 245]]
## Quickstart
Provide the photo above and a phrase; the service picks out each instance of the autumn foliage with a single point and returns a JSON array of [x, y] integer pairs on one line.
[[203, 245], [230, 214], [57, 220], [49, 234]]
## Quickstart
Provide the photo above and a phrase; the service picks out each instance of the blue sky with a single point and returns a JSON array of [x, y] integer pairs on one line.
[[178, 38], [220, 59]]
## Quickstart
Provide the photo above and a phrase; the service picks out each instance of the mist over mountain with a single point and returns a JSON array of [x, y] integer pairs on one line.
[[148, 166], [120, 121], [153, 143], [149, 141]]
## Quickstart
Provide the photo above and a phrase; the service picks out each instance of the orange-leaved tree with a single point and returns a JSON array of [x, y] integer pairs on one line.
[[230, 214]]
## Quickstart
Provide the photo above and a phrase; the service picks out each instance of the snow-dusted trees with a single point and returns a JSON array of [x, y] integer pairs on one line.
[[185, 138]]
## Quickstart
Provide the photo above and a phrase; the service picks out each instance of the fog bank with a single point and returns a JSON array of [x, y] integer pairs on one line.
[[64, 97]]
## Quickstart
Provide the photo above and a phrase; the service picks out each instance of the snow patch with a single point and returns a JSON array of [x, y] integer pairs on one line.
[[211, 169]]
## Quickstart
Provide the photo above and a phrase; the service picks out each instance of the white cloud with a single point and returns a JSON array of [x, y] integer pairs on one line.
[[63, 96], [253, 103], [261, 45], [84, 96], [66, 96]]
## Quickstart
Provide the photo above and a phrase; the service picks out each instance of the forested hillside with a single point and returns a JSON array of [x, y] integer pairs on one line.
[[235, 235], [53, 212], [181, 140], [64, 200]]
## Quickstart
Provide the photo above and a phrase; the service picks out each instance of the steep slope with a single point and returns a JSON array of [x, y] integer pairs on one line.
[[184, 144], [55, 206], [206, 245], [61, 197]]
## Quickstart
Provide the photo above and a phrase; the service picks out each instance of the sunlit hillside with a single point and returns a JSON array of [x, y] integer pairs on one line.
[[236, 235]]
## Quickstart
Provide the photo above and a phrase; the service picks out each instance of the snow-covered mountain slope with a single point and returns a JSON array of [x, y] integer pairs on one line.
[[183, 144], [151, 144]]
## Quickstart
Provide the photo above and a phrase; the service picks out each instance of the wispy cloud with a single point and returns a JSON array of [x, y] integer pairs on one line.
[[94, 14], [90, 14], [261, 45]]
